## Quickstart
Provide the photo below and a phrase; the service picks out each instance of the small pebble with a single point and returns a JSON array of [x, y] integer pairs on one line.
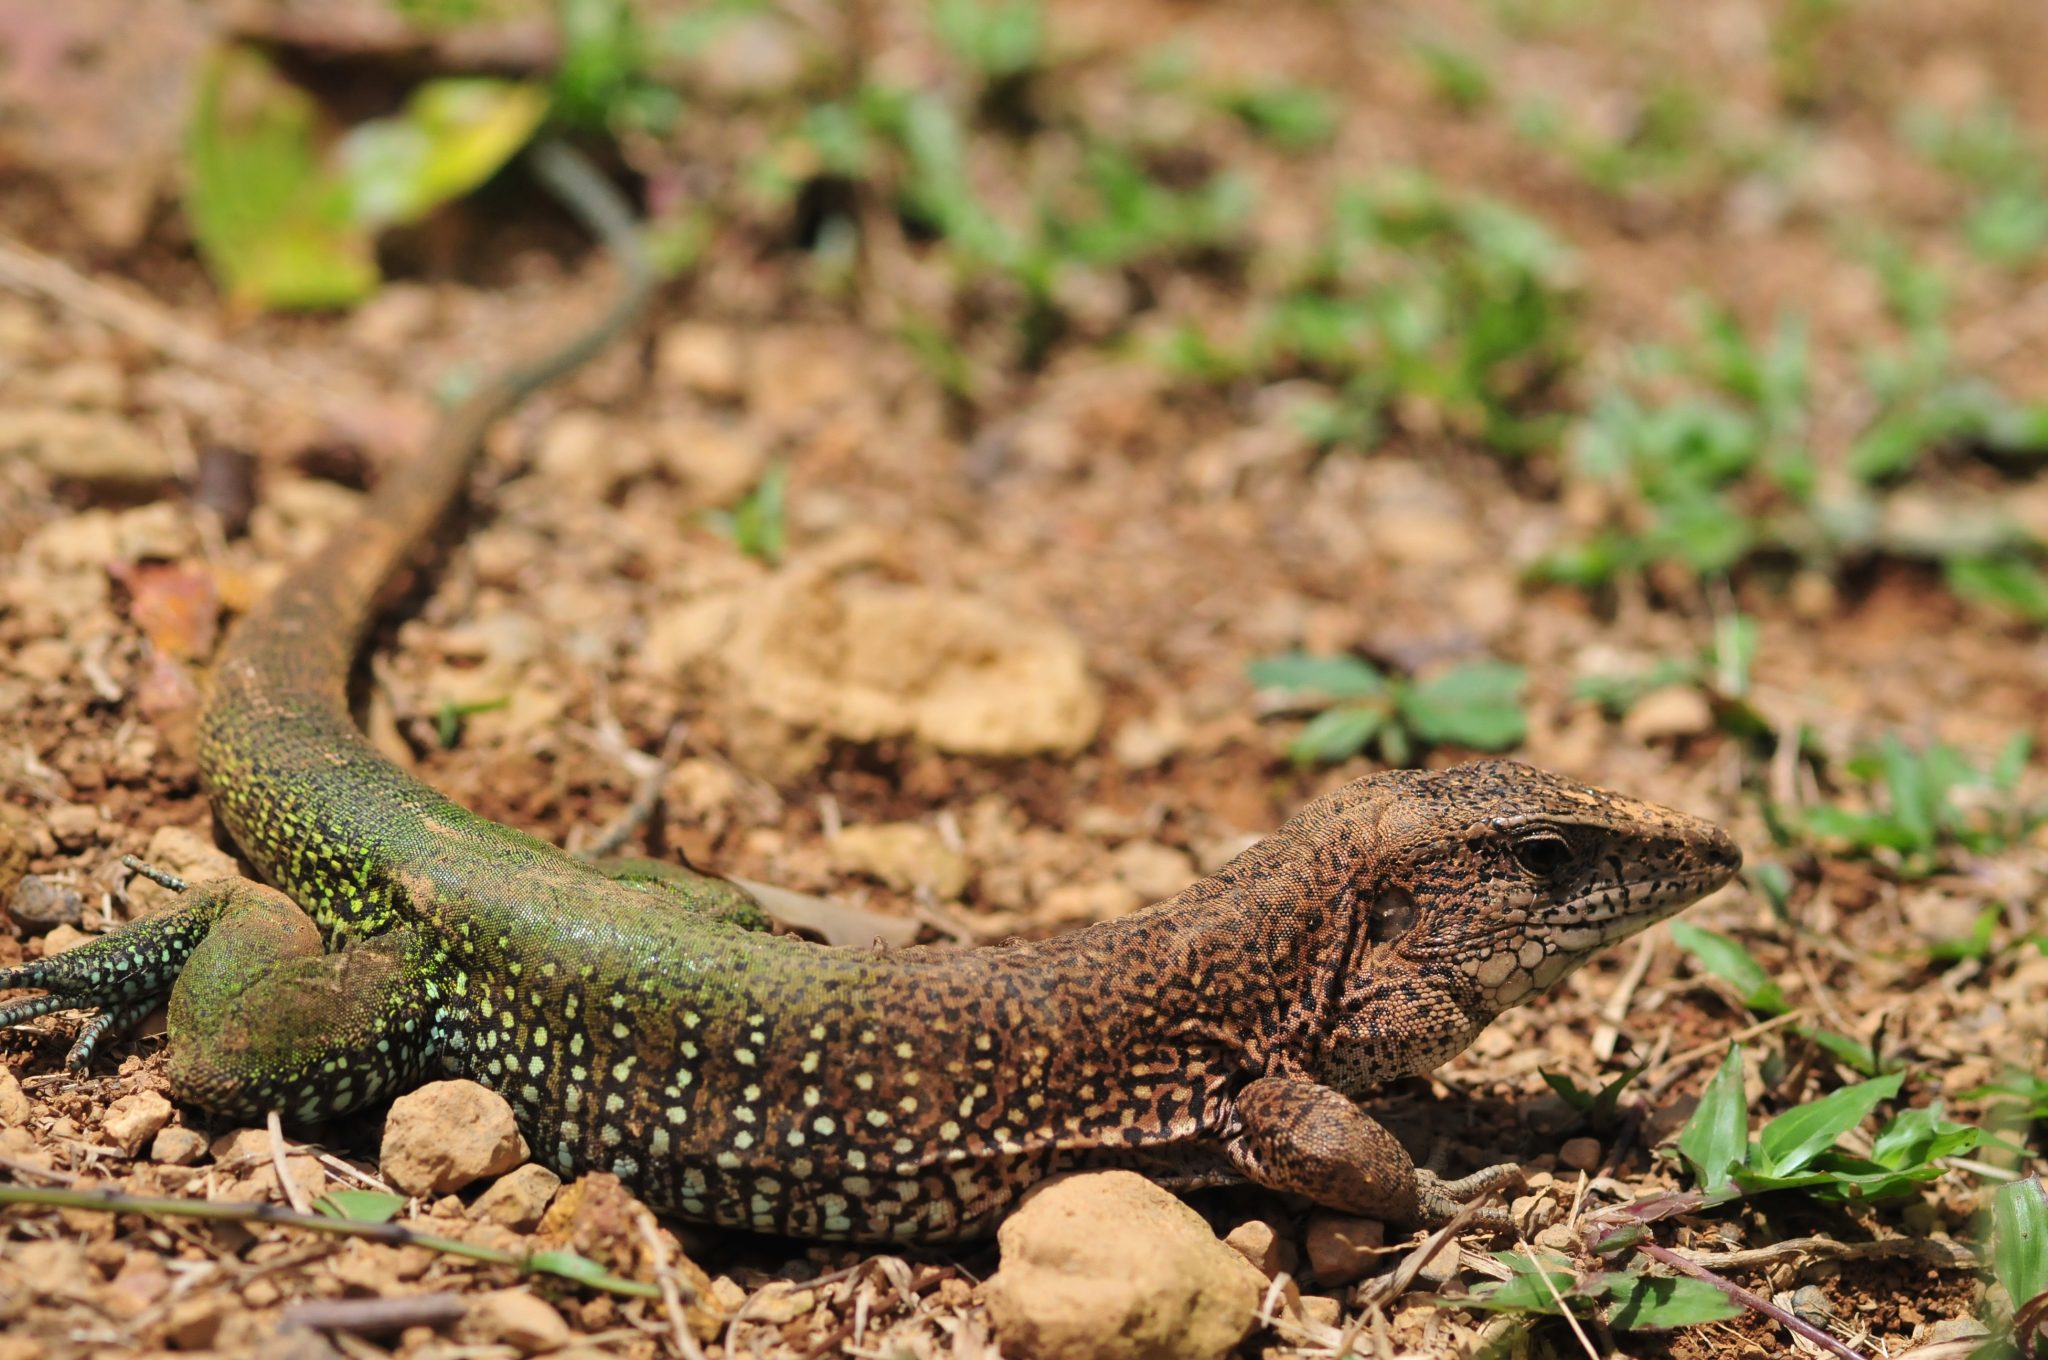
[[516, 1318], [1106, 1265], [134, 1119], [1341, 1248], [518, 1198], [1580, 1154], [446, 1135], [177, 1146]]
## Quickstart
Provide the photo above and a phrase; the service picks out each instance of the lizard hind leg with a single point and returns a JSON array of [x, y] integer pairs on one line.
[[263, 1019]]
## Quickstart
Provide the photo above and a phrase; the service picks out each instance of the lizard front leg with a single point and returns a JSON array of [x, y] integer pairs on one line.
[[260, 1016], [1306, 1139]]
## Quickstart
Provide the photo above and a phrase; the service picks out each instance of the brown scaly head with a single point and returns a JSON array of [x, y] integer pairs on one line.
[[1478, 887]]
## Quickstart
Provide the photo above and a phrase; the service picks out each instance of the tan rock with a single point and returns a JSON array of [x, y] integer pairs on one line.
[[177, 1146], [182, 851], [516, 1318], [15, 1110], [702, 357], [1264, 1246], [1341, 1248], [1580, 1154], [1151, 870], [194, 1321], [904, 855], [65, 936], [518, 1198], [17, 847], [1322, 1309], [869, 661], [446, 1135], [1667, 713], [86, 446], [134, 1119], [1106, 1265]]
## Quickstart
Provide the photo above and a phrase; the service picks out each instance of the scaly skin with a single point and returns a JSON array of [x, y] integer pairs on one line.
[[653, 1029]]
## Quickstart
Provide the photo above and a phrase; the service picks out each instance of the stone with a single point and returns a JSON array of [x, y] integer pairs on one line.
[[703, 357], [1262, 1244], [869, 661], [17, 848], [1322, 1310], [1106, 1265], [134, 1119], [74, 825], [1668, 713], [516, 1318], [1341, 1248], [39, 903], [1580, 1154], [517, 1199], [446, 1135], [182, 851], [177, 1146], [15, 1109], [194, 1320], [1153, 871], [87, 446], [904, 855]]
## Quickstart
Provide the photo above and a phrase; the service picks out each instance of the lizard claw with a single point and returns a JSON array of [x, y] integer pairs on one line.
[[1438, 1201]]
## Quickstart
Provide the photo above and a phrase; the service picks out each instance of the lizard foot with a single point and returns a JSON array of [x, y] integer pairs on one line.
[[123, 975], [1438, 1200]]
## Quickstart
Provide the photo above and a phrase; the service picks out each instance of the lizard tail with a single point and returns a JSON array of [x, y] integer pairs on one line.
[[276, 725]]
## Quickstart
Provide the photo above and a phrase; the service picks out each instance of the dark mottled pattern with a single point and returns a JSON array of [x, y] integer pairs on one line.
[[638, 1025]]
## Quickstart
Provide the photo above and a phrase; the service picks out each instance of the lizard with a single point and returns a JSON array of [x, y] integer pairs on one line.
[[649, 1023]]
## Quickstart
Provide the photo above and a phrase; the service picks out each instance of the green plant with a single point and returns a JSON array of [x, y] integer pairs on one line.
[[1798, 1149], [1711, 465], [1920, 806], [1597, 1106], [2019, 1262], [998, 41], [1294, 117], [1418, 302], [757, 523], [284, 218], [1626, 1300], [2006, 220], [1720, 670], [1456, 77], [1477, 704], [1725, 958], [1670, 145]]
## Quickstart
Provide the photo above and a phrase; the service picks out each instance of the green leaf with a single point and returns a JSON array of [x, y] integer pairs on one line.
[[1339, 677], [1660, 1302], [1728, 960], [273, 228], [1336, 734], [570, 1265], [1717, 1136], [1790, 1141], [1919, 1136], [453, 134], [1478, 704], [2019, 1239], [360, 1206], [2010, 583], [1855, 1056]]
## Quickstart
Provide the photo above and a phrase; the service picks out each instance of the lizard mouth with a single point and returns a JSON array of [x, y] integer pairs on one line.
[[1633, 906]]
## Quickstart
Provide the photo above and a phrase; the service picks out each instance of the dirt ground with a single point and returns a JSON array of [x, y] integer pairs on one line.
[[996, 684]]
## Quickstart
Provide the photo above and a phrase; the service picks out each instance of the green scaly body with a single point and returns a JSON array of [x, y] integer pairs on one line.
[[658, 1031]]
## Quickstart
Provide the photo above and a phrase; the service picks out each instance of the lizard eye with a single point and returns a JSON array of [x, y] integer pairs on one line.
[[1543, 854]]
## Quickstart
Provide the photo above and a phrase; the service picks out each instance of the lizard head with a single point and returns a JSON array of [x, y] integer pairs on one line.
[[1513, 877]]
